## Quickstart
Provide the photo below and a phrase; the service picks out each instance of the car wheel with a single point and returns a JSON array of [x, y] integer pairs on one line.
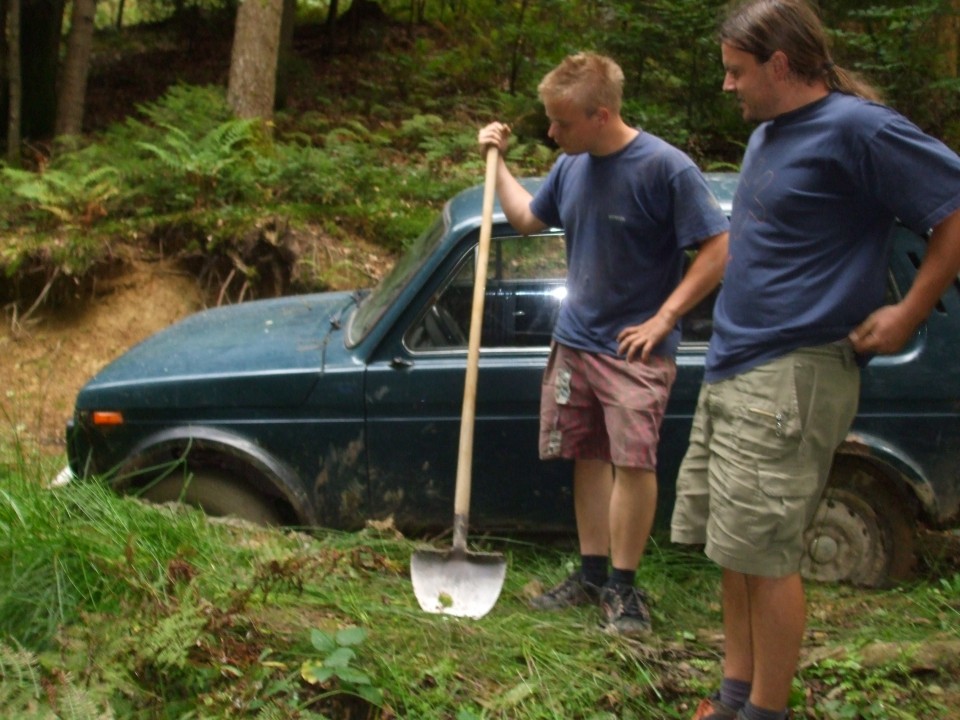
[[216, 494], [862, 533]]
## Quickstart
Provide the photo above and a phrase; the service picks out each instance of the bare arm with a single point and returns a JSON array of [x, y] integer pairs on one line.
[[887, 329], [703, 275], [514, 198]]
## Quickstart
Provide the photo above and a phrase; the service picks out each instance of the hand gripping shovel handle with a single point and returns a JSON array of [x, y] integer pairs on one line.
[[461, 501]]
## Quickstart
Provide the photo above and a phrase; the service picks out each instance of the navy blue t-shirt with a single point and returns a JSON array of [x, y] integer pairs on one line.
[[819, 191], [627, 218]]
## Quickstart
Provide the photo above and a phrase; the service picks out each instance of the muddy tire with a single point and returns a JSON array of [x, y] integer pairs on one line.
[[218, 495], [863, 532]]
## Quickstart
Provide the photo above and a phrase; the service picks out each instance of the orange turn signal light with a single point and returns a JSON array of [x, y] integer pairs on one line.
[[107, 417]]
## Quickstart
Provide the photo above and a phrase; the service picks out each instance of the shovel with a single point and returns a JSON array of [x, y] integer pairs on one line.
[[459, 582]]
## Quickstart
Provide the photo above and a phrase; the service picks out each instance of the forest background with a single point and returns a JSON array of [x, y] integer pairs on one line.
[[217, 132]]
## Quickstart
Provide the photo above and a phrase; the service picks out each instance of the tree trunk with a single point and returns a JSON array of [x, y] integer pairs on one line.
[[41, 22], [252, 87], [76, 68], [331, 25], [947, 63], [286, 52], [14, 79], [4, 52], [516, 55]]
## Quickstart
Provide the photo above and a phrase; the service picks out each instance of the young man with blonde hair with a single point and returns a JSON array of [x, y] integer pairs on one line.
[[630, 205], [825, 175]]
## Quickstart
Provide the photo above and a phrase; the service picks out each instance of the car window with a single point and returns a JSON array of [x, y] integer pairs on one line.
[[524, 289], [373, 306], [698, 323]]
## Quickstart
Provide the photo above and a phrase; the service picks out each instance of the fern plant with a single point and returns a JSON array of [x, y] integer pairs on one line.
[[201, 163], [72, 198], [24, 686]]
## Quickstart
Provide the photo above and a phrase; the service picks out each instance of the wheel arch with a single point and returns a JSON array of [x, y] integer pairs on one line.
[[901, 473], [199, 447]]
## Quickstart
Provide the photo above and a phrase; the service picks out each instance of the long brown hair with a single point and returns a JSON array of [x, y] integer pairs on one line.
[[761, 27]]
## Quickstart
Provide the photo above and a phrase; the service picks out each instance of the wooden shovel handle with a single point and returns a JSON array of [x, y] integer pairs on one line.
[[461, 503]]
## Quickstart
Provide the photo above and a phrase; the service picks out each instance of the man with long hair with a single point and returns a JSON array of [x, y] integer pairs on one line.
[[825, 175]]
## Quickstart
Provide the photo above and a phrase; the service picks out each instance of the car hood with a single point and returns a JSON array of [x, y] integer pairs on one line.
[[262, 353]]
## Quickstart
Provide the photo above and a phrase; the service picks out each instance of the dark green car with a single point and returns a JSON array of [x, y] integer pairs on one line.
[[335, 408]]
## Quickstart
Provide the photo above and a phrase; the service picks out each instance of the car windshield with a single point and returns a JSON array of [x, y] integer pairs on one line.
[[374, 305]]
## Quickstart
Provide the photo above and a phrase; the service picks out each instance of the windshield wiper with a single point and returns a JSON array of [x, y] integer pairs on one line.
[[336, 321]]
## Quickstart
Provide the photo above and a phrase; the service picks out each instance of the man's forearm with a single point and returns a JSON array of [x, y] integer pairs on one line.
[[703, 275], [939, 268]]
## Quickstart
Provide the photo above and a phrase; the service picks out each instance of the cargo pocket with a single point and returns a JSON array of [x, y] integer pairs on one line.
[[768, 425], [786, 496]]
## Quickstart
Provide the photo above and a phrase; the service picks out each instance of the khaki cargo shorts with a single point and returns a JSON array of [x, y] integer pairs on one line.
[[760, 451], [598, 407]]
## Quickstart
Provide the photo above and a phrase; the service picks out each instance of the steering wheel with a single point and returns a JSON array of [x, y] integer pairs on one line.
[[442, 327]]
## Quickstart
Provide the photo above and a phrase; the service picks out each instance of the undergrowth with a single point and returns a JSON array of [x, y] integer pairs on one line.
[[380, 130], [184, 163], [111, 608]]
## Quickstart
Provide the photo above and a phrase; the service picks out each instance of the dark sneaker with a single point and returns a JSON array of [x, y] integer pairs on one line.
[[571, 592], [712, 709], [624, 610]]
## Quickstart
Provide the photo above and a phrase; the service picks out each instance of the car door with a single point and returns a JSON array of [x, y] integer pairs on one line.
[[415, 394]]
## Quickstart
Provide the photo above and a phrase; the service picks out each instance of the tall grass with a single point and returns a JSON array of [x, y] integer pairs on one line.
[[71, 551], [110, 608]]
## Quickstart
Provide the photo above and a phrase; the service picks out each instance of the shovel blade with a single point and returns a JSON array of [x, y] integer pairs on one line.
[[462, 584]]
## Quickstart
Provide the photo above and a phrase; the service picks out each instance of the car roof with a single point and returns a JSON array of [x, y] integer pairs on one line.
[[465, 208]]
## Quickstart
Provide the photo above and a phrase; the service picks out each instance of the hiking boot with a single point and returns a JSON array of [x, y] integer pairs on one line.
[[624, 610], [712, 709], [571, 592]]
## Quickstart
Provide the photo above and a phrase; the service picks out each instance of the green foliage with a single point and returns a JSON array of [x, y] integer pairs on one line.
[[192, 109], [335, 664], [72, 199], [393, 131], [671, 60], [70, 550], [899, 47], [199, 165], [21, 685], [860, 693], [109, 608]]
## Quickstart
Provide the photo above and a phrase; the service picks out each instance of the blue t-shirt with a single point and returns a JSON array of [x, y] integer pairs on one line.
[[819, 191], [627, 218]]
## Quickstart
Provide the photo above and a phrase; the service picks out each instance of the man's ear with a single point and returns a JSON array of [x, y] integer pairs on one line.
[[780, 64]]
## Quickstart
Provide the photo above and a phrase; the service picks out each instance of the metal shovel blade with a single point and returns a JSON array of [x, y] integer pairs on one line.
[[463, 584]]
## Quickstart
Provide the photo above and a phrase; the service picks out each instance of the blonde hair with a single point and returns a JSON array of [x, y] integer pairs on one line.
[[590, 80], [762, 27]]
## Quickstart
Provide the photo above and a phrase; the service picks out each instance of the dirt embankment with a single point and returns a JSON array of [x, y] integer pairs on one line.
[[46, 356], [45, 361]]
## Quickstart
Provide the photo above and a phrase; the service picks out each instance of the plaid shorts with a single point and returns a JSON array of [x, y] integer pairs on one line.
[[760, 452], [598, 407]]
